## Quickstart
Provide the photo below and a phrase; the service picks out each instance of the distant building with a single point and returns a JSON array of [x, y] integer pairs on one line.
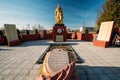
[[81, 29], [91, 29]]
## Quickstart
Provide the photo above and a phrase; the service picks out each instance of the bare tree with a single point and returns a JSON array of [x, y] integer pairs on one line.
[[2, 28], [34, 27], [28, 26]]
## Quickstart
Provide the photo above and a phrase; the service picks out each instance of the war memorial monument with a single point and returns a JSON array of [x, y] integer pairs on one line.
[[59, 30], [59, 61], [56, 56]]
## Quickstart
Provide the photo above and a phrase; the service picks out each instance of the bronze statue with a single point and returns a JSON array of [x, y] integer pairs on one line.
[[58, 15]]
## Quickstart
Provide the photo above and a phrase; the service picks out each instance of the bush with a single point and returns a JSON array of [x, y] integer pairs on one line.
[[86, 31], [36, 31], [27, 32]]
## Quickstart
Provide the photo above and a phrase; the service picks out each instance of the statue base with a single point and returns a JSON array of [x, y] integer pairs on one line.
[[59, 24], [59, 33]]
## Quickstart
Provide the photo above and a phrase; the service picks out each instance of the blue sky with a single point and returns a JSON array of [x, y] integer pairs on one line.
[[34, 12]]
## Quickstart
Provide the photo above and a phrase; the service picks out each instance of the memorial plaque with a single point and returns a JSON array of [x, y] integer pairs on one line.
[[58, 59], [59, 38], [11, 32], [105, 31]]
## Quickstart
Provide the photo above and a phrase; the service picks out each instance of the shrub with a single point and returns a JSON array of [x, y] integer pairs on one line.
[[27, 32], [86, 31], [36, 31]]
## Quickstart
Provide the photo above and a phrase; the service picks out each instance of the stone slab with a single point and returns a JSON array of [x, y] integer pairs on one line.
[[105, 31], [58, 59], [11, 32]]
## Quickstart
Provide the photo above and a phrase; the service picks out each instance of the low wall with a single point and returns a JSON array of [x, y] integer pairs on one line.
[[49, 36], [69, 35], [87, 37], [30, 37]]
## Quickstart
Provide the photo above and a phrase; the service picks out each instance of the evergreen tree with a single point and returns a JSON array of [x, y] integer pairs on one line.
[[110, 12]]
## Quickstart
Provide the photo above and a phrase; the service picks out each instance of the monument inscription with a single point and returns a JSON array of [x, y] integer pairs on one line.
[[105, 31], [11, 32]]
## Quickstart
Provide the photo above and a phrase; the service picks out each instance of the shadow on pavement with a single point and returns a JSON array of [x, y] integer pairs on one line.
[[98, 72]]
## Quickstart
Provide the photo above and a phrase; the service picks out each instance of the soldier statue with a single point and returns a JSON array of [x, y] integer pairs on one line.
[[58, 15]]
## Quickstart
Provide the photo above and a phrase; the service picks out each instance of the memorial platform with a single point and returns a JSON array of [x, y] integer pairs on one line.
[[18, 63]]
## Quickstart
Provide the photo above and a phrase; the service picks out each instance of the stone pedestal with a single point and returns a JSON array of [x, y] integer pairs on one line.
[[59, 33], [14, 43], [105, 34], [99, 43]]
